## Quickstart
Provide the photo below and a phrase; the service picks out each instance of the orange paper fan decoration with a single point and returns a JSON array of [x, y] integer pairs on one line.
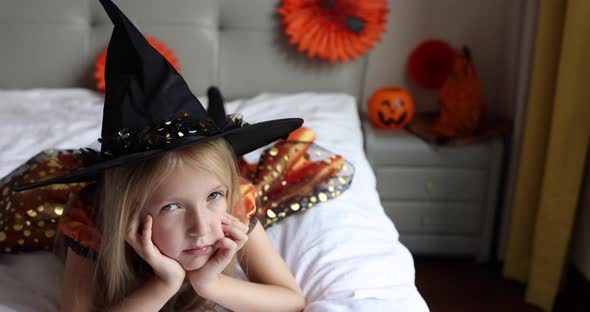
[[159, 46], [334, 29]]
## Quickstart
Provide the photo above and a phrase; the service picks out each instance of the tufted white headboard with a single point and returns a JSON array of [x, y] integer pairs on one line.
[[235, 44]]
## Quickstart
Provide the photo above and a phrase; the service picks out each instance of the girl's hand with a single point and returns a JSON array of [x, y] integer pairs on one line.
[[235, 237], [166, 268]]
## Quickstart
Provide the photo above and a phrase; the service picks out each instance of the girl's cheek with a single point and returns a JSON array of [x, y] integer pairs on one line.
[[165, 238], [219, 206]]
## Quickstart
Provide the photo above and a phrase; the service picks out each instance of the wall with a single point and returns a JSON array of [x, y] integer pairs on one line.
[[489, 28]]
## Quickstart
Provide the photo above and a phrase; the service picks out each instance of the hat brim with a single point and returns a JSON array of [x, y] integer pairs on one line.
[[242, 140]]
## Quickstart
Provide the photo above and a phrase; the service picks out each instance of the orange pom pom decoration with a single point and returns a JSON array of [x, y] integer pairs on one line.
[[430, 63], [334, 29], [391, 108], [101, 60]]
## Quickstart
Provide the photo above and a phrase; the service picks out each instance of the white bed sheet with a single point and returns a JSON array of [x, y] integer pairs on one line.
[[344, 253]]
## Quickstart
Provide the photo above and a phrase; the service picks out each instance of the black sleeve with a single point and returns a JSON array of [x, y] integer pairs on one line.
[[79, 249]]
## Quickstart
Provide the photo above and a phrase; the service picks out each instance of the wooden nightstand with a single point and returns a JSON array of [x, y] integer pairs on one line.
[[442, 200]]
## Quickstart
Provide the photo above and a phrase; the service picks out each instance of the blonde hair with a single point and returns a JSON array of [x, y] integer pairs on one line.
[[124, 191]]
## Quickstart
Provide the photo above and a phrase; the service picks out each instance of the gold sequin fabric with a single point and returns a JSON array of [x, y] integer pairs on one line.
[[293, 176], [28, 219]]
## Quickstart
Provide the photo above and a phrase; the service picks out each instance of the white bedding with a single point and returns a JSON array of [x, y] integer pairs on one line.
[[344, 253]]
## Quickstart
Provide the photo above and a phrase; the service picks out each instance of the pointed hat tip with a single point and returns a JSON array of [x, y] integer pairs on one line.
[[112, 10]]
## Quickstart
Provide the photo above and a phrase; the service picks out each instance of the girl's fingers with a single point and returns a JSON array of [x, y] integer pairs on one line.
[[149, 249], [229, 219], [132, 229], [239, 236], [243, 227], [227, 244], [141, 242], [131, 236], [235, 230], [146, 235], [226, 248]]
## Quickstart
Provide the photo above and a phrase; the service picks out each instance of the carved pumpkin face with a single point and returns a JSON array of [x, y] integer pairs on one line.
[[391, 108]]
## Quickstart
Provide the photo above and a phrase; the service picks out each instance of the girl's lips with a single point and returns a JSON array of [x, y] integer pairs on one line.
[[198, 251]]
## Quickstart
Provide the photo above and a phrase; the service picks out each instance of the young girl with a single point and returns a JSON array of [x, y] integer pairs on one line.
[[155, 227], [176, 212]]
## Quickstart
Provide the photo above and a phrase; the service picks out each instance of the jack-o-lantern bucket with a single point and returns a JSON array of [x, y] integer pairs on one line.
[[391, 108]]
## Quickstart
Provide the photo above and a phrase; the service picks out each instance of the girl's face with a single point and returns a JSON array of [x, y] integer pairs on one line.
[[186, 209]]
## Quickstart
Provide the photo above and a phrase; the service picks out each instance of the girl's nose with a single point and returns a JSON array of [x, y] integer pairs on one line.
[[199, 221]]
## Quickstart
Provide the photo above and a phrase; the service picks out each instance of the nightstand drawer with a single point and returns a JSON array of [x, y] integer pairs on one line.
[[435, 217], [431, 183]]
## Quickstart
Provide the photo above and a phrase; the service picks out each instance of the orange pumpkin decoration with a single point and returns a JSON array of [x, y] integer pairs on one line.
[[461, 100], [391, 108]]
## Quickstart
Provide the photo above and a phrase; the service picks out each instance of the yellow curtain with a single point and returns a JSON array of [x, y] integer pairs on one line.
[[553, 153]]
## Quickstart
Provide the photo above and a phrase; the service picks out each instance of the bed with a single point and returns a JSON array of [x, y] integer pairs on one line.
[[344, 253]]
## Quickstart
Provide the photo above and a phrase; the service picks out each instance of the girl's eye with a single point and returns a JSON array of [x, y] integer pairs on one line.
[[215, 195], [170, 207]]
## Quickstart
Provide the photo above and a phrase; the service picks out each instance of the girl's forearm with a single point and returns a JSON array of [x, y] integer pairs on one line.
[[151, 296], [239, 295]]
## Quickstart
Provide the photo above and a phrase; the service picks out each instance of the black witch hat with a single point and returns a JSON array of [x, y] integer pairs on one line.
[[149, 110]]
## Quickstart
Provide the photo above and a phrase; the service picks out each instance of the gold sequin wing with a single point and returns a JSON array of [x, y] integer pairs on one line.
[[28, 219], [321, 176]]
